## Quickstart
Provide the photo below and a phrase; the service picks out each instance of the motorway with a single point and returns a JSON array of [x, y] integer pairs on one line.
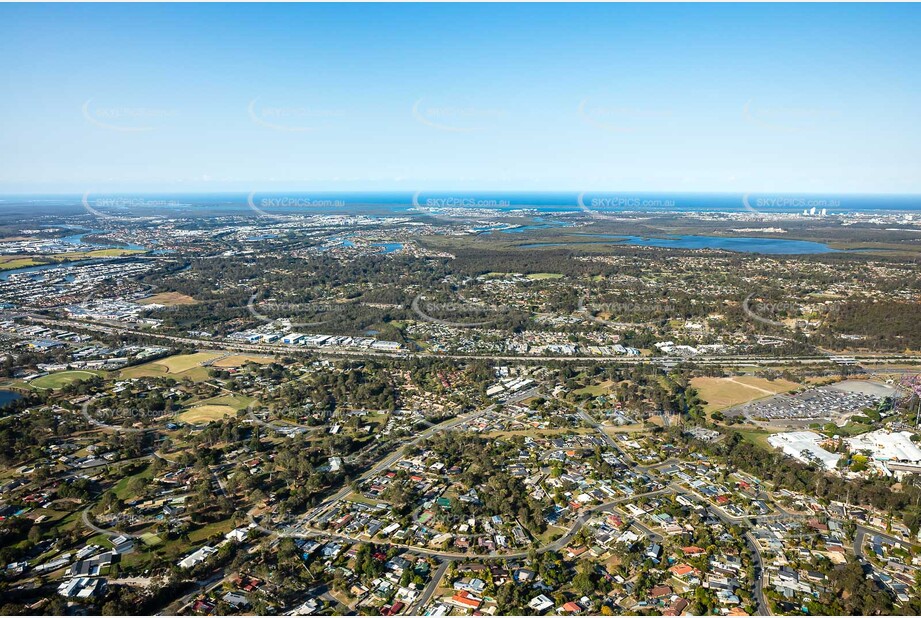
[[265, 348]]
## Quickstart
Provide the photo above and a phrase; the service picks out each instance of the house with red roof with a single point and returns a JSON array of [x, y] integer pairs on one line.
[[693, 550], [466, 600], [570, 607]]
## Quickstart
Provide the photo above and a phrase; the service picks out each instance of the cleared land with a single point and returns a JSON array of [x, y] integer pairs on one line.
[[722, 393], [61, 379], [169, 299]]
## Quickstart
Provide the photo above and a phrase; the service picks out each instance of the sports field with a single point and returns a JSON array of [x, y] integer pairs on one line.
[[61, 379], [206, 413], [722, 393], [180, 366], [237, 402]]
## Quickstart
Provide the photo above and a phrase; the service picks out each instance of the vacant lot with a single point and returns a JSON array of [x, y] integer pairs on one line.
[[169, 299], [722, 393], [61, 379]]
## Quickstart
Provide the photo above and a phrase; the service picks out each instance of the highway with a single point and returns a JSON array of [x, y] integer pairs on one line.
[[265, 348]]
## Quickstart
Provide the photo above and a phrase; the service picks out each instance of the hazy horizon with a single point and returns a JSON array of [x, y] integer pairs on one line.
[[704, 98]]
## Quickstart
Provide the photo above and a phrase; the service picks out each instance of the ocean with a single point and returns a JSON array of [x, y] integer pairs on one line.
[[406, 203]]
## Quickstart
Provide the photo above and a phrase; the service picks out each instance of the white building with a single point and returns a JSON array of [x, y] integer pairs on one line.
[[804, 446], [886, 446], [197, 557]]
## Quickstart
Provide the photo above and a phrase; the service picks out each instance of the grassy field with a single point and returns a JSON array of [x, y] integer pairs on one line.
[[542, 276], [722, 393], [181, 366], [757, 437], [238, 360], [54, 381], [237, 402], [596, 389], [209, 530], [169, 299], [24, 261], [150, 540], [16, 384], [357, 497], [206, 413], [96, 253], [184, 362], [147, 370], [12, 262], [121, 487], [616, 429]]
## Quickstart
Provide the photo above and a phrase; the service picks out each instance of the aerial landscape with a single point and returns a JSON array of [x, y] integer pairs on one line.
[[336, 346]]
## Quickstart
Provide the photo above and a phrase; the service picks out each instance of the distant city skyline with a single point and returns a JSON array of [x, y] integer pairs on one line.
[[818, 99]]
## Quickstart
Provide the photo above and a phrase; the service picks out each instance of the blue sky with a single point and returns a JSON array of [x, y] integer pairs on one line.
[[735, 98]]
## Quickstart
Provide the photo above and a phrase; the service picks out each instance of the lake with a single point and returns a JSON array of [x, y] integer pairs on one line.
[[742, 244], [8, 397], [389, 247]]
